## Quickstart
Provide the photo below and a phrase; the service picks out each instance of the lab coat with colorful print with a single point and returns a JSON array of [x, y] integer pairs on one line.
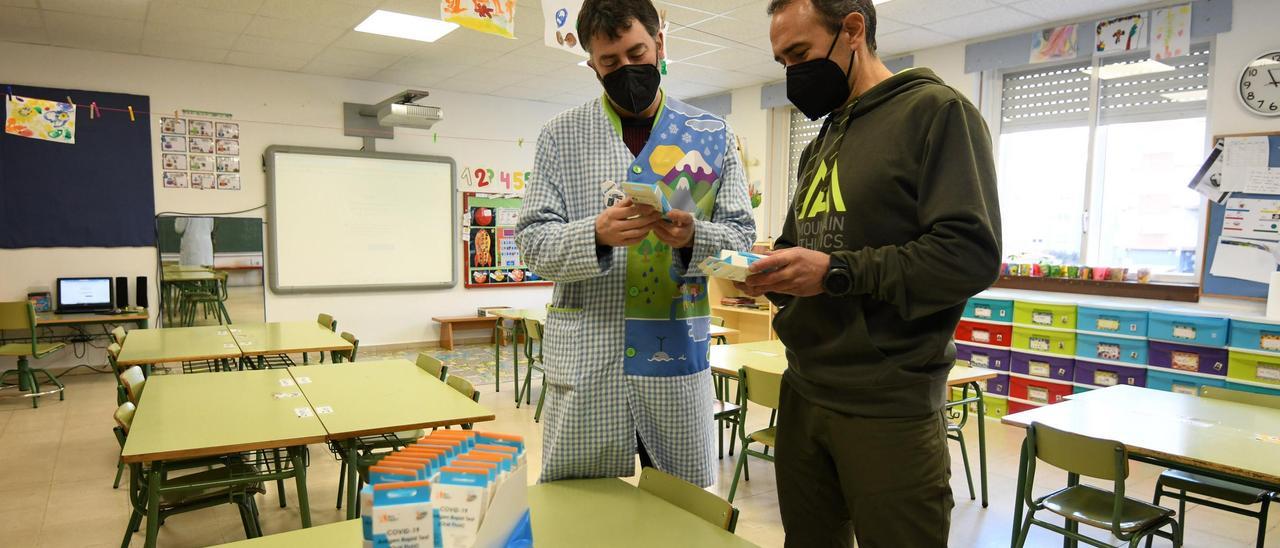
[[626, 339]]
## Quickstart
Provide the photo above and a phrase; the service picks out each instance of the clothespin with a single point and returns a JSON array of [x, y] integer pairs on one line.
[[93, 110], [8, 92], [70, 102], [131, 113]]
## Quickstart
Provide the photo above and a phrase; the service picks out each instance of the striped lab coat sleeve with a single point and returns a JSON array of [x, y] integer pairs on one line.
[[552, 245]]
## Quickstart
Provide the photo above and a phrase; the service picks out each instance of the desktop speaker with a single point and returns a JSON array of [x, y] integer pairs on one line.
[[122, 292], [140, 291]]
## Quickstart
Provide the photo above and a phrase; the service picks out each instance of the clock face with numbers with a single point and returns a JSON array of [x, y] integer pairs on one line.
[[1260, 84]]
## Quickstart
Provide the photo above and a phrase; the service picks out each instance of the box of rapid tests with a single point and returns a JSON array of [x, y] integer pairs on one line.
[[731, 265], [403, 515], [649, 195]]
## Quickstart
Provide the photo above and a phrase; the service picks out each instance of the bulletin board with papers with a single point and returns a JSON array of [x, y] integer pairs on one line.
[[1241, 179]]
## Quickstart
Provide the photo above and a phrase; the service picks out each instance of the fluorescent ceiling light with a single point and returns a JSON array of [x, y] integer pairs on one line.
[[1125, 70], [1187, 96], [402, 25]]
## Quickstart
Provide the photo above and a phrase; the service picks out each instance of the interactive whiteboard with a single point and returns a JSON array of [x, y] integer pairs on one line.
[[342, 220]]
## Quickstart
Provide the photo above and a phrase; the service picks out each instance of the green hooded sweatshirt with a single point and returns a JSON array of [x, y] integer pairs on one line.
[[900, 186]]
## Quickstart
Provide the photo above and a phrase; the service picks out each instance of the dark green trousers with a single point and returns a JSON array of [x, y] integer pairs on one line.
[[885, 481]]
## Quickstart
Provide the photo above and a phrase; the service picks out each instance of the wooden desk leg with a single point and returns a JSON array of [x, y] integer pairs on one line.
[[446, 336], [300, 484], [982, 440]]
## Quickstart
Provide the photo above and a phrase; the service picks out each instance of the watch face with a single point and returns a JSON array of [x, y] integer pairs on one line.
[[1259, 86]]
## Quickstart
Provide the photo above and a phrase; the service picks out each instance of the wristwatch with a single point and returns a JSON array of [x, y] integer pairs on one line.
[[839, 281]]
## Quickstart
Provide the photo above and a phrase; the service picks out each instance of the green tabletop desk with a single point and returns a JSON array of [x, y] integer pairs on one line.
[[517, 317], [188, 416], [380, 397], [267, 339], [342, 534], [179, 344]]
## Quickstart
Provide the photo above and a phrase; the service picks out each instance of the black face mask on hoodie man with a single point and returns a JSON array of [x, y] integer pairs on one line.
[[819, 86], [633, 87]]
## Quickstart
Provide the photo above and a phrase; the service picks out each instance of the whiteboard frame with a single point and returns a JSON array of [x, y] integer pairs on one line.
[[269, 165]]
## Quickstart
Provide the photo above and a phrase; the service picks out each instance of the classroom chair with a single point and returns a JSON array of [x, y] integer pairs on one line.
[[955, 432], [113, 353], [21, 316], [719, 322], [1129, 520], [464, 387], [133, 382], [762, 388], [210, 470], [326, 321], [117, 334], [1183, 486], [725, 413], [690, 498], [532, 335], [338, 356], [210, 299], [430, 364]]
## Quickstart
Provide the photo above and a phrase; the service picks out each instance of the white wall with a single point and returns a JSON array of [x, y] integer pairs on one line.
[[1253, 31], [287, 109], [751, 124]]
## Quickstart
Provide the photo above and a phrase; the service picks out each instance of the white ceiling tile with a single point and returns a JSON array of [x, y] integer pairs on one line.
[[377, 43], [120, 9], [520, 92], [241, 6], [474, 40], [886, 25], [94, 32], [734, 59], [985, 23], [20, 18], [473, 84], [180, 15], [449, 65], [416, 7], [771, 70], [516, 63], [683, 17], [414, 78], [340, 70], [25, 35], [684, 47], [711, 76], [296, 31], [191, 35], [912, 39], [1055, 10], [189, 52], [541, 51], [920, 12], [282, 48], [685, 90], [709, 6], [324, 12], [356, 57], [266, 61], [19, 3]]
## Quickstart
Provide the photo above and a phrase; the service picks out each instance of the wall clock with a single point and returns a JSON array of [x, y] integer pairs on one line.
[[1259, 87]]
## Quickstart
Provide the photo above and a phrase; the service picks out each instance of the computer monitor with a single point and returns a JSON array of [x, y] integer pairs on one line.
[[84, 295]]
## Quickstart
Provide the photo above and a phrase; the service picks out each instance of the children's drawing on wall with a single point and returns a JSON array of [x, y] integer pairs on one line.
[[226, 130], [228, 164], [1171, 32], [173, 126], [202, 180], [201, 162], [228, 181], [40, 119], [175, 162], [488, 16], [1121, 34], [1053, 44], [203, 145], [175, 179], [200, 128]]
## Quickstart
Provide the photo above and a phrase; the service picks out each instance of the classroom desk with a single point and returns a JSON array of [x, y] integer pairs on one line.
[[178, 344], [771, 356], [516, 315], [341, 534], [380, 397], [1215, 438], [49, 319], [189, 416], [268, 339], [720, 331], [172, 278]]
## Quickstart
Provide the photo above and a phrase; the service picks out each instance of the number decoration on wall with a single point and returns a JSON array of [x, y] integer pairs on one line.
[[483, 179]]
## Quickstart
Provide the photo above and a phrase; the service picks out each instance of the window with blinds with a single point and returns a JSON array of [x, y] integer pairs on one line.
[[1047, 97], [803, 131], [1134, 88]]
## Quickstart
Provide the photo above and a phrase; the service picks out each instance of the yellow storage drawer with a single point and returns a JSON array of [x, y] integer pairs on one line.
[[1057, 316]]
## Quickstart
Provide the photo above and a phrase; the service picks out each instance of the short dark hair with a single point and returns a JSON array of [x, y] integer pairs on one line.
[[610, 18], [833, 13]]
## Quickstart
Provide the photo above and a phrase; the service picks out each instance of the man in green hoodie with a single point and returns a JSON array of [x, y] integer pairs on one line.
[[894, 224]]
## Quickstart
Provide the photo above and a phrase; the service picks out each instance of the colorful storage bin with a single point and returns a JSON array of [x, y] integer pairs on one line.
[[1043, 366], [1254, 368], [1044, 340], [1251, 388], [983, 356], [1117, 349], [989, 310], [1186, 329], [1060, 316], [996, 406], [998, 386], [1258, 336], [1080, 389], [1184, 384], [1038, 391], [1018, 407], [1095, 373], [1132, 323], [1196, 359], [994, 334]]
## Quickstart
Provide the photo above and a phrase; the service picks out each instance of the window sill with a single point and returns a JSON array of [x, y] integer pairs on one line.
[[1189, 293]]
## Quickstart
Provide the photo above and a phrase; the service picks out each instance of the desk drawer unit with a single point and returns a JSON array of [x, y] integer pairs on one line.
[[1038, 391], [1044, 340], [1059, 316], [1258, 369], [1117, 349], [1185, 329], [1181, 383], [989, 310], [1255, 336], [1059, 368], [1113, 321], [994, 334], [983, 356], [1196, 359], [1097, 373]]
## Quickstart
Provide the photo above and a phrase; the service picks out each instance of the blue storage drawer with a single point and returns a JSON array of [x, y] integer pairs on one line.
[[1255, 336], [989, 310], [1187, 329], [1184, 384], [1131, 323], [1116, 349]]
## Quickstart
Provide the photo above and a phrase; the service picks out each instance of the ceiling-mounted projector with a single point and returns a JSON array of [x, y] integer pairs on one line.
[[400, 110]]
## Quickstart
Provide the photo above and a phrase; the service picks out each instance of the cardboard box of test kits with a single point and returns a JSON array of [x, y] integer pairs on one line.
[[403, 515]]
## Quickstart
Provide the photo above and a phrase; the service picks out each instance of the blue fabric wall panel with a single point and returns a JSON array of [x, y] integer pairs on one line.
[[97, 192]]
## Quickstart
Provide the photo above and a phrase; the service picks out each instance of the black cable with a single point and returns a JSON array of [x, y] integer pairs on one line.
[[86, 366], [211, 214]]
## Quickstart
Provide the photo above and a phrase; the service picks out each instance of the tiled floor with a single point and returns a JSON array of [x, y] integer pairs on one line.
[[57, 463]]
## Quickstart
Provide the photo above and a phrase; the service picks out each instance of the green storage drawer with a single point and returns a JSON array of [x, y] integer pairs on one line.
[[1045, 341], [1058, 316], [1254, 368]]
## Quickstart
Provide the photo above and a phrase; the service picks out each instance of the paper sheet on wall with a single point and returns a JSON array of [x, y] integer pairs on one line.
[[1244, 259], [1252, 218], [1054, 43], [1171, 32], [488, 16], [40, 119], [1121, 34], [1243, 158], [1208, 180]]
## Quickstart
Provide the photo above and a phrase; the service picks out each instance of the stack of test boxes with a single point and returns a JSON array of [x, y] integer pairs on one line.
[[438, 492], [982, 339], [1111, 347], [1042, 361]]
